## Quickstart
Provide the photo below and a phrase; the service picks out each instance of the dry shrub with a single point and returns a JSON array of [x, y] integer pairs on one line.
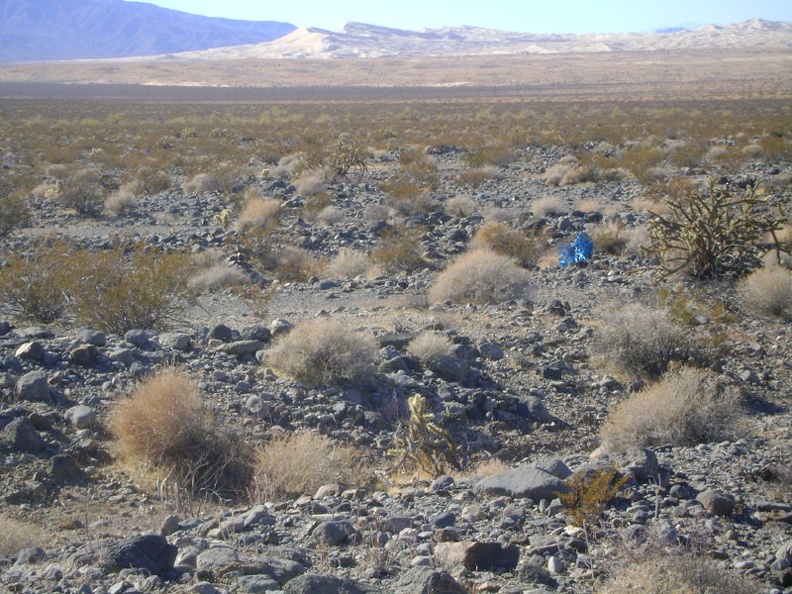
[[768, 292], [301, 462], [83, 192], [152, 181], [428, 346], [670, 573], [643, 341], [329, 216], [35, 284], [203, 183], [286, 166], [16, 535], [164, 428], [312, 182], [218, 276], [400, 251], [258, 212], [549, 206], [610, 238], [325, 352], [15, 212], [121, 291], [461, 206], [121, 201], [566, 172], [504, 239], [688, 406], [293, 264], [348, 263], [480, 276]]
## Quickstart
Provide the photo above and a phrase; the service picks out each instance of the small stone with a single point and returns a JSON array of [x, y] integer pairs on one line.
[[333, 533], [170, 525], [139, 338], [33, 387], [178, 341], [33, 350], [21, 434], [477, 556], [84, 355], [81, 416], [716, 502], [221, 332]]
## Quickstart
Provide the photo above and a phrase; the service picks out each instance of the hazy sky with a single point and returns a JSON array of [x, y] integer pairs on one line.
[[533, 16]]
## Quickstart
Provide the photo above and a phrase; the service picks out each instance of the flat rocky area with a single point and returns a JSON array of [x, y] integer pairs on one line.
[[524, 384]]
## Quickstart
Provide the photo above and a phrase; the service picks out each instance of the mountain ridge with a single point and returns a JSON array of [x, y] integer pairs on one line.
[[43, 30], [359, 40]]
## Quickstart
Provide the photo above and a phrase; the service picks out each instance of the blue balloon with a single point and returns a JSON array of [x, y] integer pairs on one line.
[[577, 251]]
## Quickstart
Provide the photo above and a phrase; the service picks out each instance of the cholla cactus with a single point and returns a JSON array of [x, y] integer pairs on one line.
[[423, 442], [223, 218]]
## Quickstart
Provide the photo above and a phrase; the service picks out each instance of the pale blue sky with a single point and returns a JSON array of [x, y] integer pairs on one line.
[[533, 16]]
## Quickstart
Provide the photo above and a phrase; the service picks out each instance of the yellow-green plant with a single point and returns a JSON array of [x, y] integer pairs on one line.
[[422, 443], [588, 494]]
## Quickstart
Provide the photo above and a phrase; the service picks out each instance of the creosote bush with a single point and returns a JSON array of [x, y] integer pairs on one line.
[[14, 211], [35, 284], [768, 292], [83, 192], [686, 407], [299, 463], [163, 428], [121, 291], [325, 352], [482, 277], [643, 341]]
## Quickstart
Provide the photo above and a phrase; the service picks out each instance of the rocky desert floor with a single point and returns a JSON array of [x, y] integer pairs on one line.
[[524, 387]]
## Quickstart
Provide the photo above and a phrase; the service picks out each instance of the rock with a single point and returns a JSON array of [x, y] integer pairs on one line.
[[312, 583], [94, 337], [491, 351], [716, 502], [216, 557], [63, 470], [256, 406], [222, 333], [441, 482], [149, 552], [333, 533], [535, 409], [640, 462], [477, 556], [5, 327], [84, 355], [33, 387], [425, 580], [81, 416], [257, 584], [261, 333], [178, 341], [169, 525], [328, 490], [204, 588], [139, 338], [33, 350], [22, 436], [534, 574], [241, 347], [526, 481], [451, 369]]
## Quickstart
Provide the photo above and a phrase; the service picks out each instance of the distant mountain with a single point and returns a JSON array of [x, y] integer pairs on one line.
[[71, 29], [357, 40]]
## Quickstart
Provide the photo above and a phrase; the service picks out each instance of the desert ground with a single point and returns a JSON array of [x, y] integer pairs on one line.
[[302, 326]]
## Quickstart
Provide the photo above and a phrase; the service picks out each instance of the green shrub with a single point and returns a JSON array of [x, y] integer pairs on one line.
[[122, 291], [588, 494], [35, 284]]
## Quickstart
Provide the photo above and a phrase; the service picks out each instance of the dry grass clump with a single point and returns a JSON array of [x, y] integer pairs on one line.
[[164, 428], [16, 535], [121, 200], [348, 263], [312, 182], [151, 180], [258, 212], [217, 277], [504, 239], [329, 216], [566, 172], [768, 292], [400, 251], [325, 352], [669, 573], [120, 291], [610, 238], [643, 341], [480, 276], [549, 206], [301, 462], [461, 206], [687, 407], [428, 346], [202, 183]]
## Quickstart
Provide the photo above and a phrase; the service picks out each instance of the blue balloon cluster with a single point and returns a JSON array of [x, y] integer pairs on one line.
[[577, 251]]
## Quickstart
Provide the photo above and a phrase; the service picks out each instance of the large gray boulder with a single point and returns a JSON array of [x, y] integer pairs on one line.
[[543, 480], [33, 387], [150, 552]]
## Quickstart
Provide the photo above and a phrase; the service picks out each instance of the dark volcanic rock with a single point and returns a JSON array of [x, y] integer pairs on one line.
[[150, 552]]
